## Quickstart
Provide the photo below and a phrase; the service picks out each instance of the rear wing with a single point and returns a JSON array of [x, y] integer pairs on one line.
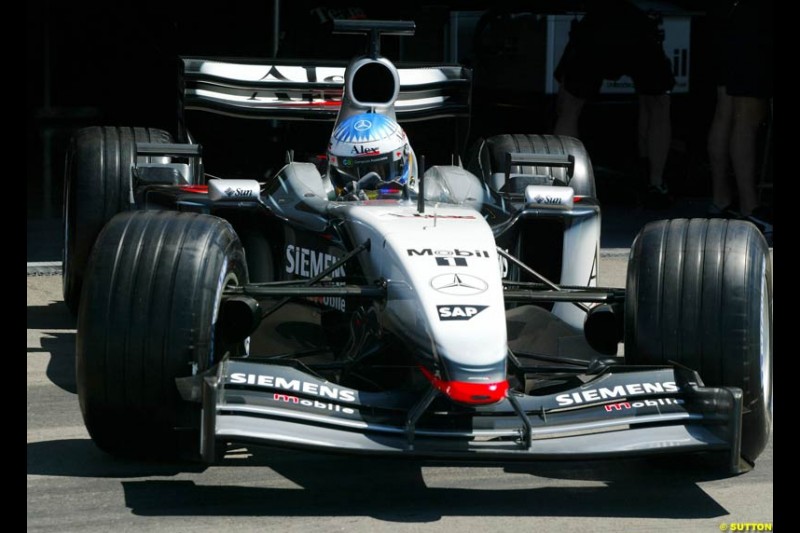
[[297, 90]]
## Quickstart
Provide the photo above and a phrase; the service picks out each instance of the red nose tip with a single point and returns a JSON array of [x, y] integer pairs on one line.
[[469, 393]]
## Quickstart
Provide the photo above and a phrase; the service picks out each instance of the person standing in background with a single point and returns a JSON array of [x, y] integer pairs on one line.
[[742, 46], [613, 39]]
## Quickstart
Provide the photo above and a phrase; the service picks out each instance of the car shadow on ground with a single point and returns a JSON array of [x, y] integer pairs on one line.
[[396, 491], [392, 490], [82, 458], [57, 339], [54, 315]]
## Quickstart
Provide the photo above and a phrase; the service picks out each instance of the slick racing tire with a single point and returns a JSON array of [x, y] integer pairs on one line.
[[98, 185], [148, 315], [260, 262], [699, 293], [488, 156]]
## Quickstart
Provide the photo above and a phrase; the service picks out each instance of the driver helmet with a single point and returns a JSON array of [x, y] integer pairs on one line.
[[369, 143]]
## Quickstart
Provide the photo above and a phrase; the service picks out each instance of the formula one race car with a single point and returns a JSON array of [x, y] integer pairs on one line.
[[381, 307]]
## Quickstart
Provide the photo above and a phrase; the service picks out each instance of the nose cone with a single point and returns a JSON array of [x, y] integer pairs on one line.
[[470, 392]]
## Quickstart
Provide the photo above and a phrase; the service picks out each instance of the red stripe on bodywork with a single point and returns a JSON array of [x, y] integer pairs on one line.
[[325, 103], [201, 189]]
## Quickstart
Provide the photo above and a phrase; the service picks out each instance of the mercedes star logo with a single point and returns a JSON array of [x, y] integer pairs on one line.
[[362, 125], [459, 284]]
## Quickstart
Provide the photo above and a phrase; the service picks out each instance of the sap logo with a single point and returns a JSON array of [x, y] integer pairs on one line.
[[365, 150], [459, 312], [548, 200]]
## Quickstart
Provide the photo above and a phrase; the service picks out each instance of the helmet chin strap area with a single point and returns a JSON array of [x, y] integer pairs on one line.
[[370, 187], [370, 180]]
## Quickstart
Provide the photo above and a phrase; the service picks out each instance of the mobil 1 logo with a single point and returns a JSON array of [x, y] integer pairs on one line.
[[459, 312], [451, 261], [449, 258]]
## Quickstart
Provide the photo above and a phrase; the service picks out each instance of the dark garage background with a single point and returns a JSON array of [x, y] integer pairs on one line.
[[115, 64]]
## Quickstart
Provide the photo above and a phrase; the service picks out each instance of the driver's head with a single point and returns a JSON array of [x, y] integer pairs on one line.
[[367, 143]]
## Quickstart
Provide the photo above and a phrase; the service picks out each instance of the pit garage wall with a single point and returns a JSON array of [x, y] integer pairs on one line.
[[677, 32], [675, 23], [93, 64], [517, 93]]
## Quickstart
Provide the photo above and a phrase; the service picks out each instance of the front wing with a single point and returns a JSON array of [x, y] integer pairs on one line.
[[624, 411]]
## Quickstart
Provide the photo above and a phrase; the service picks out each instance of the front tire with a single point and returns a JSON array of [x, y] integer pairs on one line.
[[699, 292], [148, 316]]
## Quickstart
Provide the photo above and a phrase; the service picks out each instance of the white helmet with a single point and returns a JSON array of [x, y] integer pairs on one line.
[[371, 150]]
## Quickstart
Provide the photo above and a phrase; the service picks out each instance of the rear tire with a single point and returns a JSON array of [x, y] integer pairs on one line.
[[98, 185], [260, 263], [488, 157], [148, 316], [699, 292]]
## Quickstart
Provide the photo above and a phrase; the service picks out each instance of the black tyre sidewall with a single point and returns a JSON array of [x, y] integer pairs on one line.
[[699, 292], [487, 157], [98, 185], [151, 297]]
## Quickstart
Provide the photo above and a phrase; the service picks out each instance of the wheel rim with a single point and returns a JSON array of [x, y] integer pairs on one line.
[[766, 345], [227, 279]]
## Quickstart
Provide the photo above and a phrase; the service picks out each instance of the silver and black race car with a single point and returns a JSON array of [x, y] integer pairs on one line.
[[372, 305]]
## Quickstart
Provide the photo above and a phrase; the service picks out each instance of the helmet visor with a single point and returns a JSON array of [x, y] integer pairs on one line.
[[386, 167]]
